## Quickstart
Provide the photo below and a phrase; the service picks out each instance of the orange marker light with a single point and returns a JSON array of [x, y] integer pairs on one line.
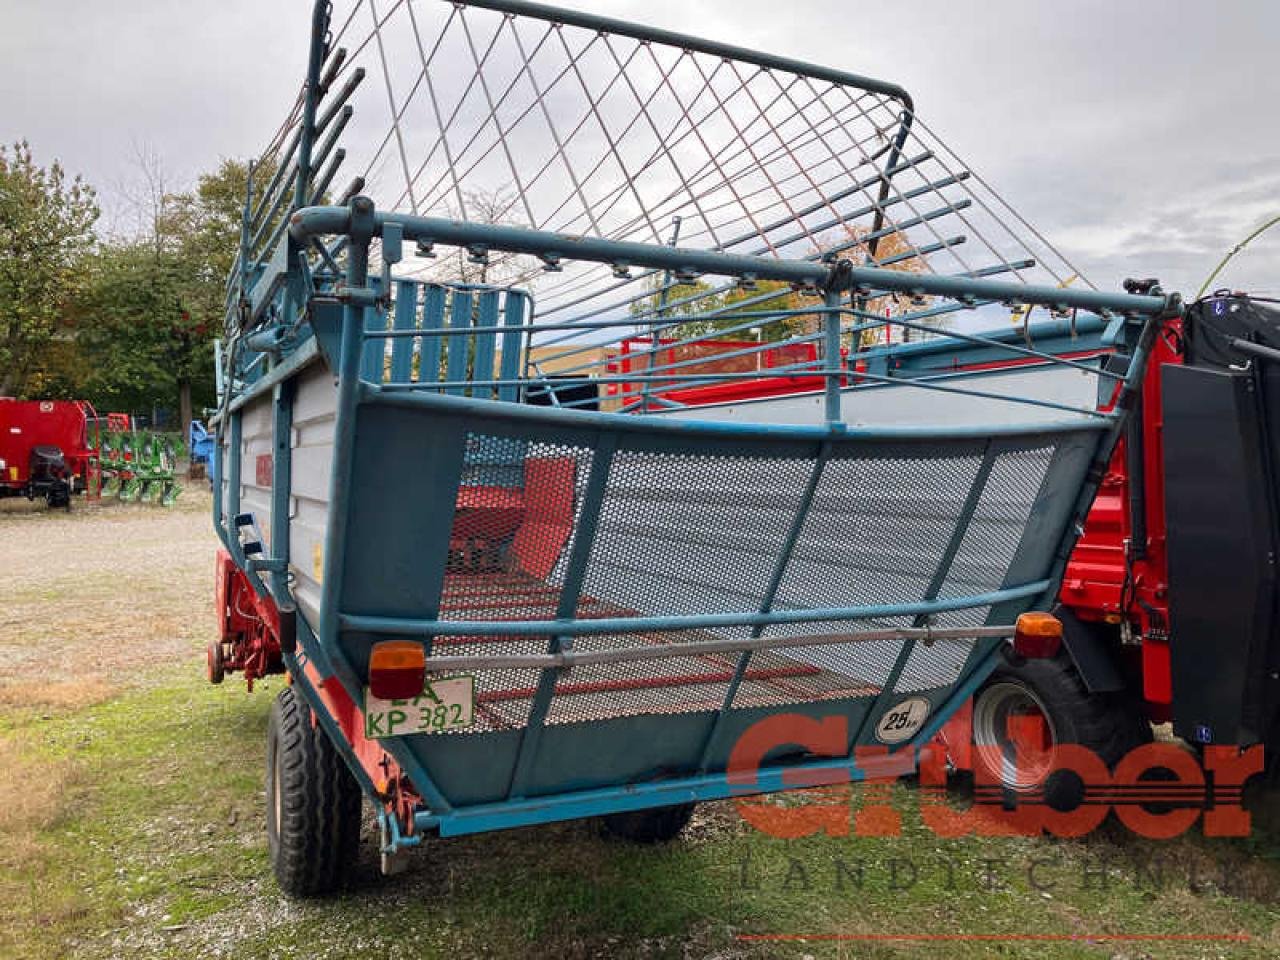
[[1037, 635], [397, 669]]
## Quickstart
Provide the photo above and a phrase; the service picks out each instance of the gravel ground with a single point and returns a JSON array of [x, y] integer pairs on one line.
[[106, 593]]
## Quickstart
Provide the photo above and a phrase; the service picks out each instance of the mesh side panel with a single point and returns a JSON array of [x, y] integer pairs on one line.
[[683, 534], [1001, 517], [675, 685], [513, 523], [981, 564], [934, 665], [875, 534]]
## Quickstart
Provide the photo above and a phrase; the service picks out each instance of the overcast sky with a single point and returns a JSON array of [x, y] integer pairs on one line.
[[1140, 136]]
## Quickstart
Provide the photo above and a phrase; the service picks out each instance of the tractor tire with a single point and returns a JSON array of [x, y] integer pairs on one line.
[[313, 803], [1108, 724], [215, 663], [648, 826]]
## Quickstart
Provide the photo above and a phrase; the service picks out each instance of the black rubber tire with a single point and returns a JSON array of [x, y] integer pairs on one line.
[[648, 826], [215, 663], [313, 803], [1109, 724]]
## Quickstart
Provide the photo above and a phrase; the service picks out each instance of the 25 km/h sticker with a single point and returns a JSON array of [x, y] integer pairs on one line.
[[903, 720], [443, 705]]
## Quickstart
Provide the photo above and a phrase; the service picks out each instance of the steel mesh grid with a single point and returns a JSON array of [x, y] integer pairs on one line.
[[672, 685], [999, 522], [690, 534], [854, 549], [981, 564], [517, 504]]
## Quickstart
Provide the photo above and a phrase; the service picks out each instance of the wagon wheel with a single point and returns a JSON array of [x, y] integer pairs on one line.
[[216, 663], [1028, 708], [313, 803], [648, 826]]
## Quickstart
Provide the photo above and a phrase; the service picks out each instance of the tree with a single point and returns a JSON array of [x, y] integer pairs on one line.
[[488, 207], [46, 230], [154, 302]]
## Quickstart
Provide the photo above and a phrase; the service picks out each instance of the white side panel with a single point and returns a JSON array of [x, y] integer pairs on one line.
[[255, 457], [903, 405], [313, 416]]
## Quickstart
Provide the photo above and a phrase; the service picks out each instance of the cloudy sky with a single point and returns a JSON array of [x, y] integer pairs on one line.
[[1141, 136]]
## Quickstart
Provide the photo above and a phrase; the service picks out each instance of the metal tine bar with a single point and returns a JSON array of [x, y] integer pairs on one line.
[[331, 71], [747, 237], [284, 173], [404, 320], [433, 306], [331, 138], [761, 318], [923, 218], [742, 239], [326, 178], [887, 190], [982, 237], [264, 250], [999, 268], [456, 381], [339, 100], [886, 182], [922, 126]]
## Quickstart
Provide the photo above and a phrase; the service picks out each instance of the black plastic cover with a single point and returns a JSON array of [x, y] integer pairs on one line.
[[1221, 537], [1212, 323]]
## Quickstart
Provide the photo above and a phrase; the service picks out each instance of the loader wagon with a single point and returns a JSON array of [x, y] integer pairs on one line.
[[47, 450], [504, 594]]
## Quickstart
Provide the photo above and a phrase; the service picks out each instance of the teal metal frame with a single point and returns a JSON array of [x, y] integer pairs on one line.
[[277, 287]]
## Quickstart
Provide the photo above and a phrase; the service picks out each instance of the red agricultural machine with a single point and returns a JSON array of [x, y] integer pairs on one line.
[[47, 450]]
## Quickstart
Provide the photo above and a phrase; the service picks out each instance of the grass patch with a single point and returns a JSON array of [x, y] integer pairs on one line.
[[148, 842], [131, 822]]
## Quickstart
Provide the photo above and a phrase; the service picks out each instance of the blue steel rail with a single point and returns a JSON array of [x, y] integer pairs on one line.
[[314, 283]]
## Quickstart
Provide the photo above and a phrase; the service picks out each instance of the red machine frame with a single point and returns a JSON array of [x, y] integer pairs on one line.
[[25, 424]]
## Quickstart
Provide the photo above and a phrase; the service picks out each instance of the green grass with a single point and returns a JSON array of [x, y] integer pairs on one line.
[[155, 848]]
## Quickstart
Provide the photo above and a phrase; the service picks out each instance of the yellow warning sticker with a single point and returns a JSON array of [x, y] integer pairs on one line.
[[317, 560]]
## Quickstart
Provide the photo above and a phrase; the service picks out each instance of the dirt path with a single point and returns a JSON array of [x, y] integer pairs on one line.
[[99, 597]]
